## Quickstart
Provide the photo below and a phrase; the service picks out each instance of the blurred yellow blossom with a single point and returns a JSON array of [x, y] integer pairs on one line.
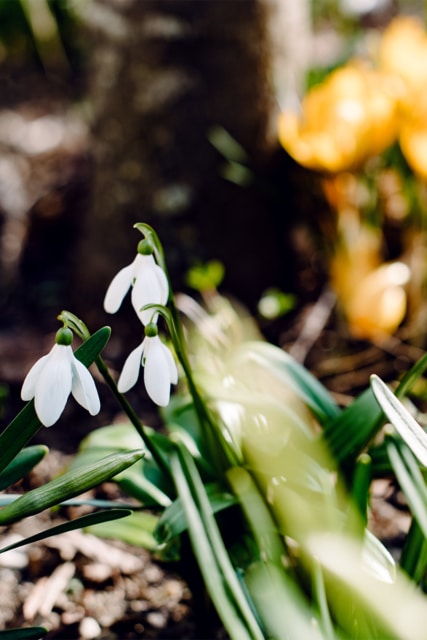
[[379, 302], [403, 54], [346, 119], [371, 294], [413, 136]]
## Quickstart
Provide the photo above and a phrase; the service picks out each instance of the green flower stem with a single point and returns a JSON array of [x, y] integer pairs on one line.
[[75, 324], [226, 456], [128, 409], [359, 493]]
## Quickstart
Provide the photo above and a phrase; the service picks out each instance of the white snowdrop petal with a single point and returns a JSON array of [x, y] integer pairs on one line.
[[130, 371], [54, 385], [150, 287], [118, 288], [29, 385], [83, 388], [156, 373], [173, 370], [162, 283]]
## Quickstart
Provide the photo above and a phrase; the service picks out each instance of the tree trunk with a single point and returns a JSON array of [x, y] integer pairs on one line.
[[163, 74]]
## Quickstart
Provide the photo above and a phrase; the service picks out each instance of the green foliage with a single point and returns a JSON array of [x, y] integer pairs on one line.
[[41, 33], [259, 483], [267, 530], [205, 277]]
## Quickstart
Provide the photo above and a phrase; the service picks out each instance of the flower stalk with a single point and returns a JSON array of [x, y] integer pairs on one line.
[[69, 319]]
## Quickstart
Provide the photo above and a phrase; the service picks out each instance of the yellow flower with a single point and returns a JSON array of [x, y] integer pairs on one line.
[[378, 305], [370, 293], [413, 140], [348, 118], [403, 54]]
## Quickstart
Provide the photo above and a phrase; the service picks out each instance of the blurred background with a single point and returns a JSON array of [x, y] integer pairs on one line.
[[277, 147]]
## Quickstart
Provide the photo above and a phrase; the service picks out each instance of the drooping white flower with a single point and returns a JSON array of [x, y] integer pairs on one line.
[[149, 286], [160, 370], [54, 376]]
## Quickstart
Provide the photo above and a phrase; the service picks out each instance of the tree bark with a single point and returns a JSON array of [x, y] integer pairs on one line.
[[162, 75]]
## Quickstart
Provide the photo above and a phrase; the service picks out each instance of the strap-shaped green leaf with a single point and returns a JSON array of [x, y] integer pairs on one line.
[[26, 424], [293, 375], [26, 460], [136, 530], [405, 424], [88, 520], [410, 479], [68, 485], [348, 434], [218, 573], [24, 633], [173, 520]]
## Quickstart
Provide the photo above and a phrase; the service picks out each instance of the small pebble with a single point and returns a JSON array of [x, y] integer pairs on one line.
[[89, 628]]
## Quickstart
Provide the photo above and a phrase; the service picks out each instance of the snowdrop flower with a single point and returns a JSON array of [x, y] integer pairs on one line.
[[54, 376], [160, 370], [148, 281]]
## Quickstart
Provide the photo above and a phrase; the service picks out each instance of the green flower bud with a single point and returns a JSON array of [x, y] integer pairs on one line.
[[146, 247], [151, 330], [64, 336]]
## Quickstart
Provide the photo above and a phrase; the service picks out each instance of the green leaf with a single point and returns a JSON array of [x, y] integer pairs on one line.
[[22, 464], [293, 375], [280, 604], [413, 559], [68, 485], [205, 277], [144, 480], [219, 575], [412, 376], [410, 479], [173, 521], [89, 520], [377, 559], [270, 544], [137, 530], [26, 424], [24, 633], [275, 303], [226, 145], [348, 434], [405, 424]]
